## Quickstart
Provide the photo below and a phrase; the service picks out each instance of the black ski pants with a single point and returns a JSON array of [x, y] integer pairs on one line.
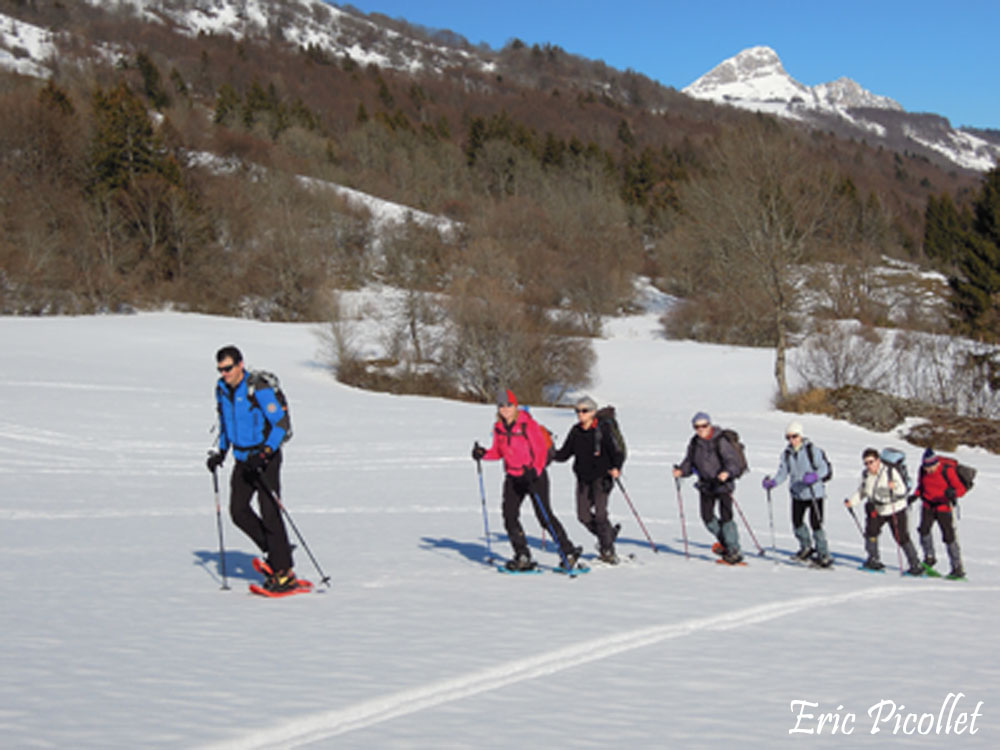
[[897, 523], [266, 530], [708, 497], [592, 509], [514, 491], [815, 508], [945, 519]]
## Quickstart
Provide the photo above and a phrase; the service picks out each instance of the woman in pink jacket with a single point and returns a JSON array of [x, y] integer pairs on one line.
[[520, 442]]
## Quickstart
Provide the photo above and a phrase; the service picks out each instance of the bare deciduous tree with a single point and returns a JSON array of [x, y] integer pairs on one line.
[[762, 207]]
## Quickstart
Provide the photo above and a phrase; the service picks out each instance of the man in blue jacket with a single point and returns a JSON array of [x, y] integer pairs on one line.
[[254, 423]]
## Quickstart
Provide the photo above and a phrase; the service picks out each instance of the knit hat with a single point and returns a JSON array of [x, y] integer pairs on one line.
[[930, 457], [700, 417], [586, 402], [506, 397], [794, 428]]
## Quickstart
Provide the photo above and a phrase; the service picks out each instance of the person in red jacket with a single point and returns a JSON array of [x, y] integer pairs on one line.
[[939, 488], [520, 442]]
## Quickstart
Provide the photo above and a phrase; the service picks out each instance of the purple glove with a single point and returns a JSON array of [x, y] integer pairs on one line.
[[768, 483], [810, 478]]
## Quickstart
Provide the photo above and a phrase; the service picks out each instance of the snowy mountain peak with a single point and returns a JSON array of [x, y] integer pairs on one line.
[[847, 93], [757, 75], [755, 79]]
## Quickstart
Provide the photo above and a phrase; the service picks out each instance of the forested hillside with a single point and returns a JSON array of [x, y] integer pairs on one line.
[[567, 179]]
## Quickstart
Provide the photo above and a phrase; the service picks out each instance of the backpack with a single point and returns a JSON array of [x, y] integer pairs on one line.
[[966, 474], [550, 440], [812, 461], [264, 379], [607, 423], [733, 438], [897, 460]]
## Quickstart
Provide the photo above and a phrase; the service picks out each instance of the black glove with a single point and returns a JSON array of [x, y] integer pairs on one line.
[[478, 452], [257, 462], [215, 459], [951, 494]]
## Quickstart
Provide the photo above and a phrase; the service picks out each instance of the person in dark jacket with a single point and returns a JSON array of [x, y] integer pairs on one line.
[[254, 424], [716, 463], [519, 440], [939, 488], [597, 462]]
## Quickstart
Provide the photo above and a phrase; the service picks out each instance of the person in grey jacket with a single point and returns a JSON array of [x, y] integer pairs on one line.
[[804, 465], [716, 463]]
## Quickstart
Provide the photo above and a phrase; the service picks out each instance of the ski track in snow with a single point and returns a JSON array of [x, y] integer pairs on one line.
[[325, 725]]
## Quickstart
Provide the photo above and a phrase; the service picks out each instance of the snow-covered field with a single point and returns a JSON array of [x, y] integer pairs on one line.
[[116, 633]]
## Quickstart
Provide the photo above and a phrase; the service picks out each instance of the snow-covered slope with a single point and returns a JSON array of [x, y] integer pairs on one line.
[[117, 635], [755, 79]]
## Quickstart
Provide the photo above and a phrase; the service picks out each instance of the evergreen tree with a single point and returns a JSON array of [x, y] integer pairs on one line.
[[943, 229], [976, 286], [152, 85], [124, 144]]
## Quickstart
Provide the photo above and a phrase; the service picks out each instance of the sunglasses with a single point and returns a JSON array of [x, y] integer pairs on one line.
[[584, 411], [792, 437], [225, 368], [870, 461], [702, 426]]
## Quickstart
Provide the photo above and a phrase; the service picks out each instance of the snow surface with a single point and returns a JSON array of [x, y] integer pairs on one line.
[[117, 635]]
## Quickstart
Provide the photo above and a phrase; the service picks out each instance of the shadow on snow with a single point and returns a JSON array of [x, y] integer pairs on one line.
[[238, 564]]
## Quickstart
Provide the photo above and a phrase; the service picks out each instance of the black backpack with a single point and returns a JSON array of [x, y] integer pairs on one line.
[[607, 423], [257, 379], [966, 475], [733, 438]]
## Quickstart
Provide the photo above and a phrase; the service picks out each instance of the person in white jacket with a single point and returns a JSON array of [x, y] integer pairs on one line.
[[883, 490]]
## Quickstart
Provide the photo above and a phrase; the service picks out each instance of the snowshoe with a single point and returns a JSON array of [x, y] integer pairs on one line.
[[929, 571], [521, 564], [873, 566], [608, 557], [803, 554], [732, 557]]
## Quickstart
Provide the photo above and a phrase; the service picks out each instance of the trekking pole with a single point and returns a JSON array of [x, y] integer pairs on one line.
[[218, 523], [271, 494], [856, 521], [548, 523], [770, 515], [621, 486], [895, 535], [760, 550], [486, 520], [680, 505]]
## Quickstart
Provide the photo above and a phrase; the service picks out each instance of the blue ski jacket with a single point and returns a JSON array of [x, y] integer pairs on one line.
[[796, 464], [249, 423]]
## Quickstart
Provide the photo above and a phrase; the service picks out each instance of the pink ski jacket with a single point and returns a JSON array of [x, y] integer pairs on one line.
[[521, 445]]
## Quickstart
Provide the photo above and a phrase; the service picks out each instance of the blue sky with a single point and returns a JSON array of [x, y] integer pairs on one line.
[[928, 56]]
